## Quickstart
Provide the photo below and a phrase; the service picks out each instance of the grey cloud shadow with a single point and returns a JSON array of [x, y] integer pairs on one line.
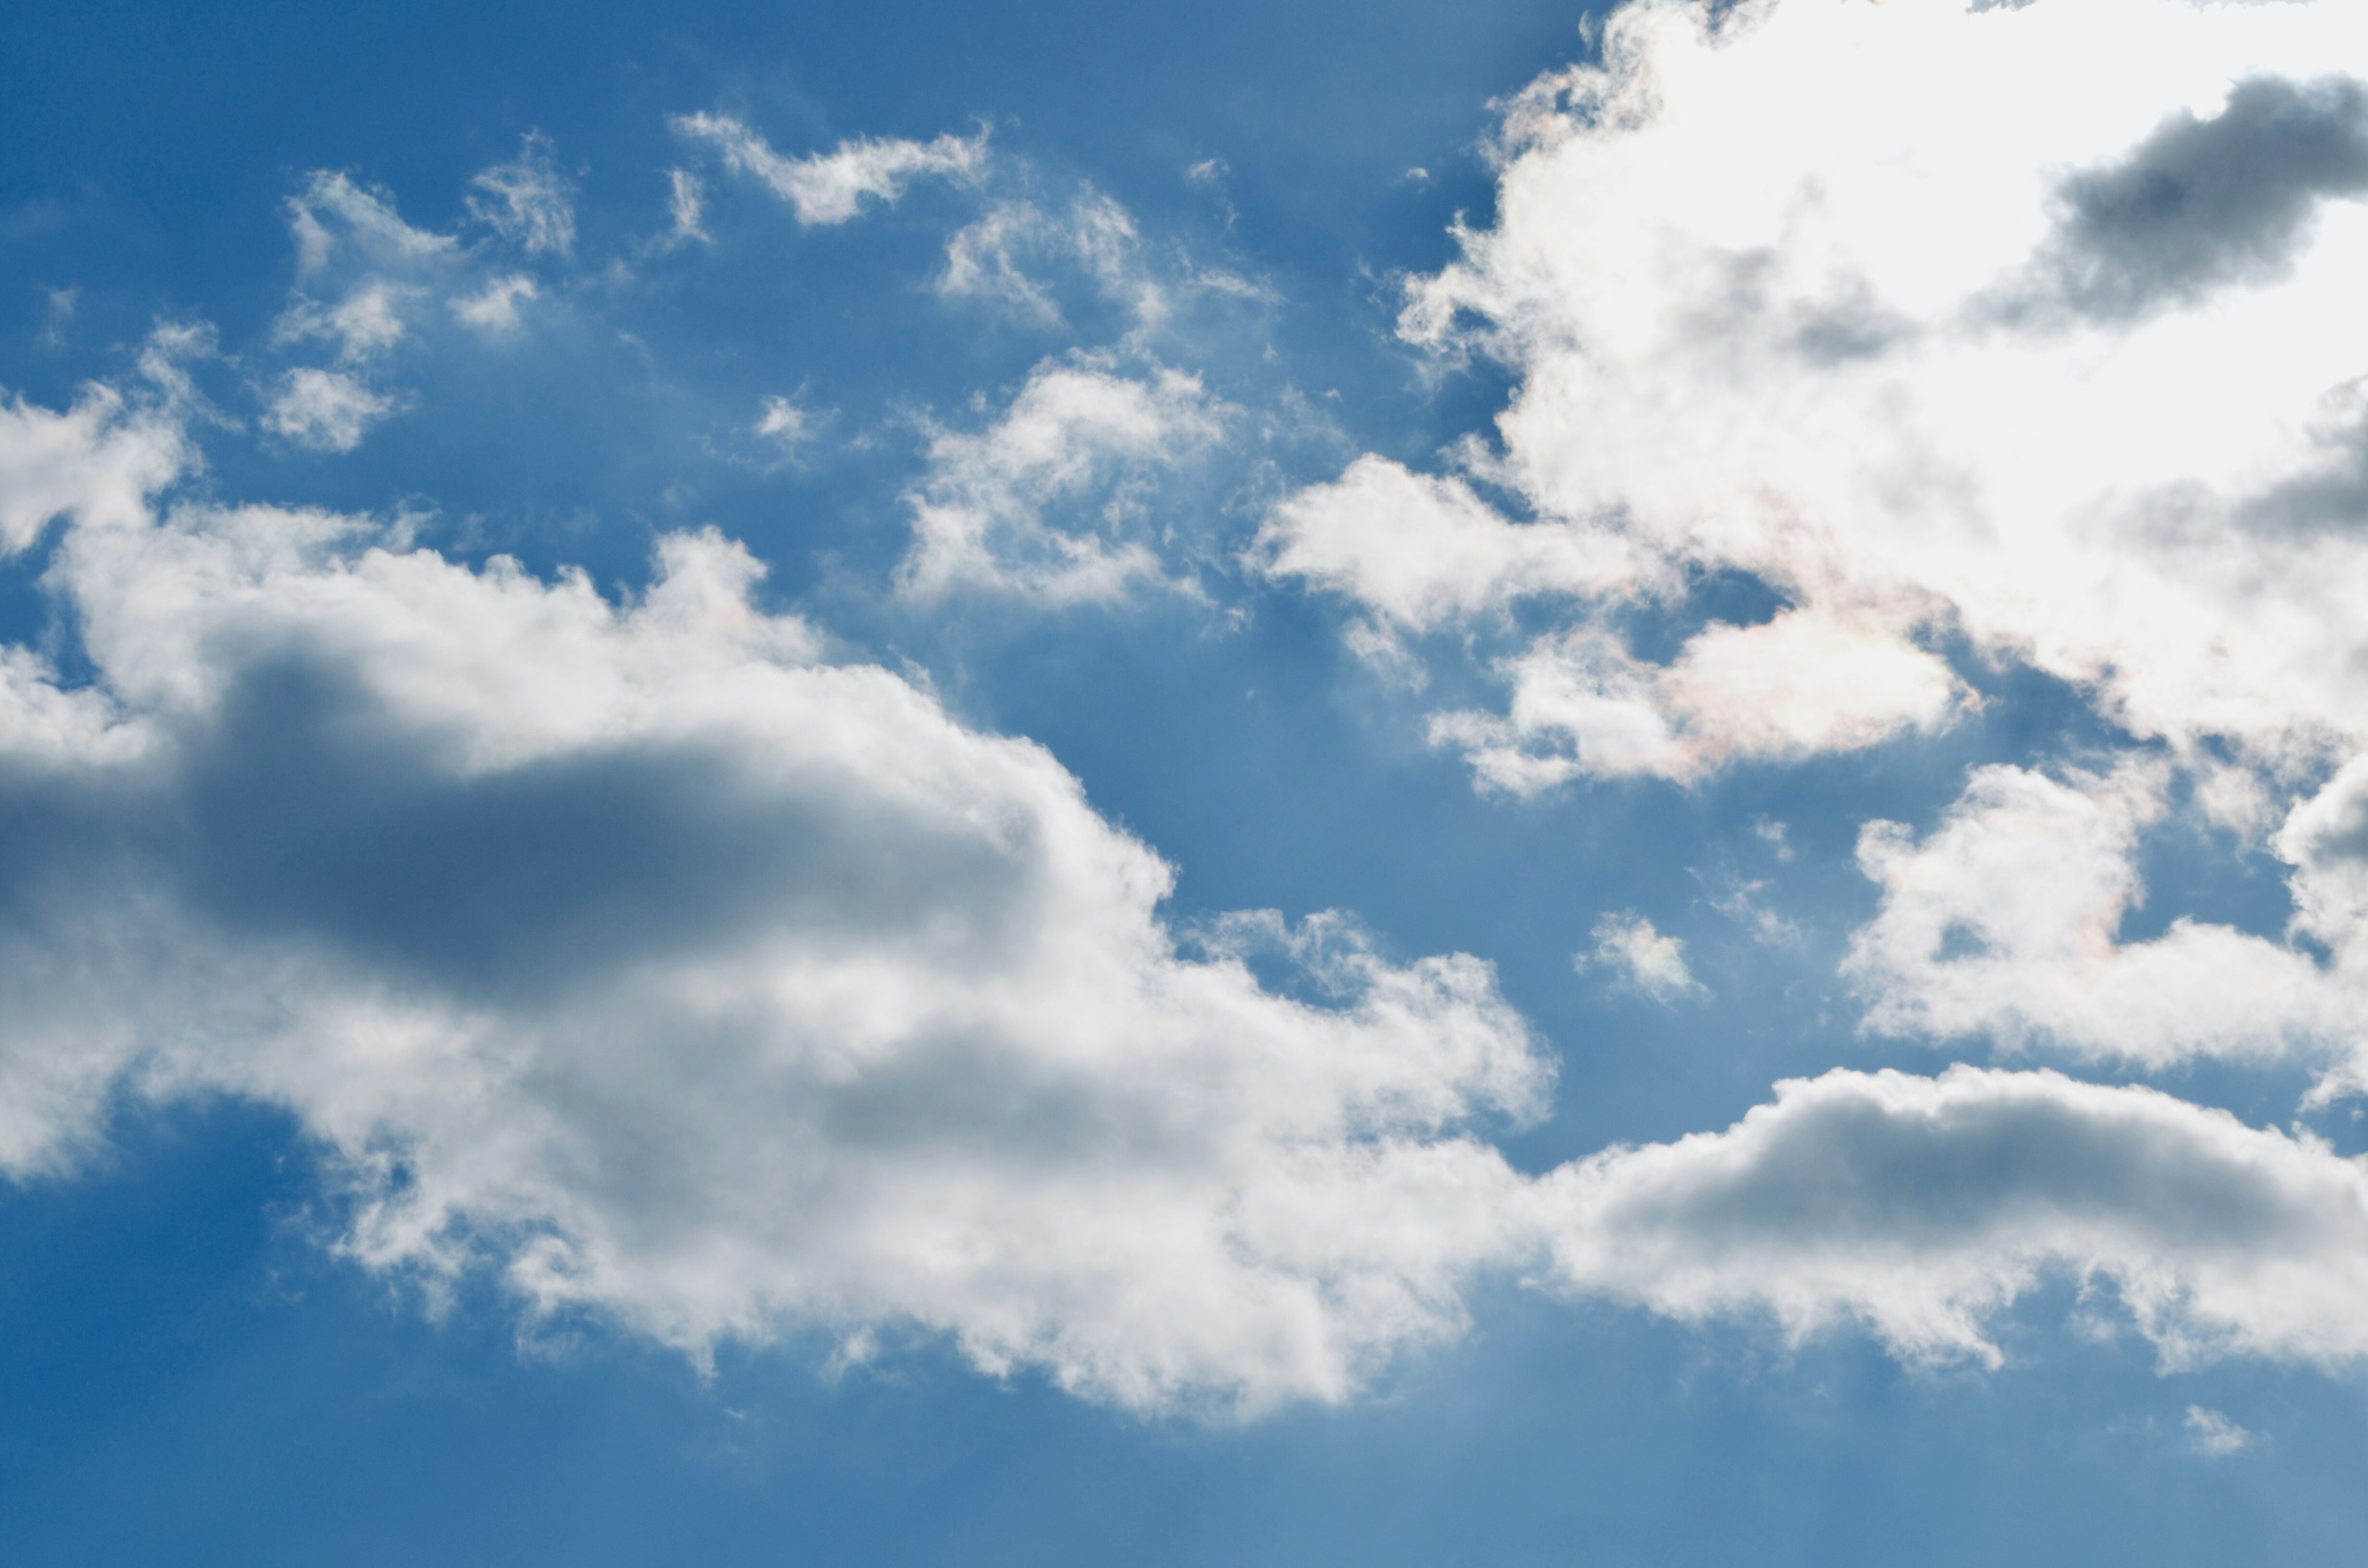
[[307, 811], [1850, 1171], [2200, 204]]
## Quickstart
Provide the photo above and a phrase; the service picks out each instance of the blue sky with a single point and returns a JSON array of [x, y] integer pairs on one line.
[[975, 784]]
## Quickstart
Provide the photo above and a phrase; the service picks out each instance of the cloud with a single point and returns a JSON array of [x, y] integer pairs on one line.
[[2003, 922], [831, 187], [2214, 1435], [1923, 1208], [527, 202], [1642, 957], [1749, 338], [686, 205], [327, 411], [636, 953], [1044, 502], [1805, 682], [989, 258], [494, 311], [2204, 204], [686, 980], [367, 222], [366, 322]]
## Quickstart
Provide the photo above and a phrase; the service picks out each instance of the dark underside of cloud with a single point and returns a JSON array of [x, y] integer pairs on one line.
[[2204, 204]]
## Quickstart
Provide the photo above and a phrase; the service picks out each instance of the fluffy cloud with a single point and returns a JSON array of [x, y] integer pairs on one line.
[[1642, 957], [1044, 502], [686, 978], [2004, 922], [1924, 1207], [831, 187], [1938, 378], [692, 981]]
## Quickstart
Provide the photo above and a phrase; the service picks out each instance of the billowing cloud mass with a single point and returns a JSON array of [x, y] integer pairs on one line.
[[692, 979], [831, 187], [1789, 298], [651, 953], [643, 954]]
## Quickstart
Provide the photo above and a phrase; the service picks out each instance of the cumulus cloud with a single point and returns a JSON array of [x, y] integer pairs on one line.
[[527, 202], [1642, 957], [1923, 1208], [686, 978], [1751, 338], [329, 411], [1045, 502], [831, 187], [2004, 922]]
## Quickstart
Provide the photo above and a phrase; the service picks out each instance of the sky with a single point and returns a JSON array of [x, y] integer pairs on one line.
[[1039, 783]]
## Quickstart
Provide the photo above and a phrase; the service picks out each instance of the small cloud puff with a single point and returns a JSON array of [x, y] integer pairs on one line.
[[327, 411], [1642, 957]]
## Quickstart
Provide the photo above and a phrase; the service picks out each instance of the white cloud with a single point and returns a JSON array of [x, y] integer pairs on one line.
[[1655, 964], [97, 461], [366, 219], [1044, 502], [1002, 255], [2214, 1435], [1807, 681], [631, 951], [493, 311], [1923, 1208], [366, 322], [527, 202], [2004, 921], [687, 981], [329, 411], [831, 187], [686, 205], [1751, 337]]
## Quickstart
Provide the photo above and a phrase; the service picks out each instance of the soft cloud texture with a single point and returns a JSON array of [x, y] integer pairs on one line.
[[684, 977], [1641, 957], [831, 187], [1043, 502], [1922, 1208], [527, 201], [327, 411], [693, 982]]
